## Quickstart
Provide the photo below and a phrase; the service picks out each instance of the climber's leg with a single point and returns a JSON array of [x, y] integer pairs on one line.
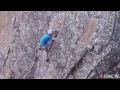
[[43, 47], [49, 44]]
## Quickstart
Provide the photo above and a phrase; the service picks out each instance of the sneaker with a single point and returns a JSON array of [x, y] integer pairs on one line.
[[47, 60], [39, 48]]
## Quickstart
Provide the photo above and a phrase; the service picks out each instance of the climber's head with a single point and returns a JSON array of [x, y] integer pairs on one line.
[[50, 32]]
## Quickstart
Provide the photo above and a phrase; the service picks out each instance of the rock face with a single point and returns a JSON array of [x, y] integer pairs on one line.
[[69, 58]]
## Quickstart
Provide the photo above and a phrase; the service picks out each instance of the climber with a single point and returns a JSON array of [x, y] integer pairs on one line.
[[46, 40]]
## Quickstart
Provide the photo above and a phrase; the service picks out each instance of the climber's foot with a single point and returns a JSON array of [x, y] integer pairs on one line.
[[39, 48], [47, 60]]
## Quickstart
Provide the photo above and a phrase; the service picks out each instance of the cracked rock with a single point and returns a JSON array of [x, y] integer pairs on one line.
[[69, 58]]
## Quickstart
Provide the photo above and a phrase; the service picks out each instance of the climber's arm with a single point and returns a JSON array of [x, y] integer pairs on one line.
[[54, 38]]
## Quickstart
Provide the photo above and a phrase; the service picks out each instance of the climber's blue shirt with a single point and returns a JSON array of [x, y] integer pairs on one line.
[[45, 38]]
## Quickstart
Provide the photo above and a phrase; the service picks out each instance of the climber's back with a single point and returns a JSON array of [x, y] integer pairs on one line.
[[45, 38]]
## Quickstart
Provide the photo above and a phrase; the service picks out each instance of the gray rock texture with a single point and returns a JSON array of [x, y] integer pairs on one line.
[[69, 58]]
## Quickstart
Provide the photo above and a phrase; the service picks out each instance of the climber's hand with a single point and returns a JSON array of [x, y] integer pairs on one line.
[[54, 39]]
